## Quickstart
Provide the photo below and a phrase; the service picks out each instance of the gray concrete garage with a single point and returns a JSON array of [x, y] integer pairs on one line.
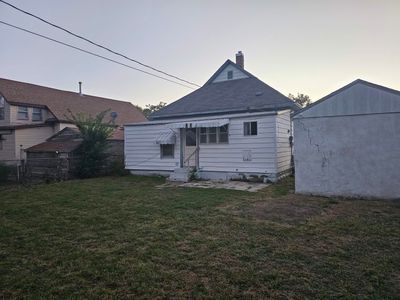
[[348, 143]]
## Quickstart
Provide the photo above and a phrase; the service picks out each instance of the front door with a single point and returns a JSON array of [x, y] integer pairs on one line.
[[190, 147]]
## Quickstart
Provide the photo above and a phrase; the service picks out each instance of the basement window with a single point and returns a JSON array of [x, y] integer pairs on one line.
[[250, 128], [167, 151], [23, 113], [37, 114], [230, 74]]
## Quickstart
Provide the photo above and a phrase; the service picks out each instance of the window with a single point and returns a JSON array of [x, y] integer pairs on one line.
[[37, 114], [230, 74], [1, 142], [23, 113], [223, 134], [214, 135], [2, 106], [250, 128], [167, 151]]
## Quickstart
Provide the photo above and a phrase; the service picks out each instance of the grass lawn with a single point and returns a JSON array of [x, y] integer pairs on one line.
[[125, 238]]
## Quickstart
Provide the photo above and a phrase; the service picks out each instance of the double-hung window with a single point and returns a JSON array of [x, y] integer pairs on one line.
[[250, 128], [23, 113], [36, 114]]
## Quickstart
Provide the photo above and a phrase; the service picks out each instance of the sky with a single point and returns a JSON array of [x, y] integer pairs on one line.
[[311, 47]]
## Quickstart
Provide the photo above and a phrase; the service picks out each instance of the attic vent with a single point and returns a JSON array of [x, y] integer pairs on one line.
[[230, 74], [259, 93]]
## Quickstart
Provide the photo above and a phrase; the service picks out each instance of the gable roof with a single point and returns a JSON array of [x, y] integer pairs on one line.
[[231, 96], [60, 102], [346, 87]]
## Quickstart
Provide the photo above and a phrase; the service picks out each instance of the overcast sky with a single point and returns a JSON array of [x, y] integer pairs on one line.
[[311, 47]]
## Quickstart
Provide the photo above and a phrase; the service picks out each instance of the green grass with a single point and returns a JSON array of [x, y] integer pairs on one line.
[[124, 238]]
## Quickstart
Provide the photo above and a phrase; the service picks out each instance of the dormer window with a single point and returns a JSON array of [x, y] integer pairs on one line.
[[23, 113], [36, 114], [230, 74]]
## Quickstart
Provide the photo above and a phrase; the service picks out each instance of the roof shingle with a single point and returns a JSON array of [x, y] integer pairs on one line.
[[60, 102]]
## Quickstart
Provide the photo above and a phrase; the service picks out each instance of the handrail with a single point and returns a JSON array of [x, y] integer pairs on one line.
[[190, 156]]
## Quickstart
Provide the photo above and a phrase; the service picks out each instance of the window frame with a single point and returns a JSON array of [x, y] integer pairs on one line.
[[36, 114], [229, 75], [249, 130], [26, 111], [162, 154], [217, 133]]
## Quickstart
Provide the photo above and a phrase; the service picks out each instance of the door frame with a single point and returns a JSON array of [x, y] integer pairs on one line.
[[183, 147]]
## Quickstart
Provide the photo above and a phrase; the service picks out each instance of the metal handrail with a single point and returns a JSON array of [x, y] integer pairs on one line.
[[190, 156]]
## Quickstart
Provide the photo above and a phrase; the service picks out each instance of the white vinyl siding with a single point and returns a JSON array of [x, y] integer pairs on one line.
[[142, 152], [282, 141], [236, 74], [230, 157]]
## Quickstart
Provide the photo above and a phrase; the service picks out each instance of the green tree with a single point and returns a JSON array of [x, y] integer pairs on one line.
[[301, 99], [151, 108], [92, 151]]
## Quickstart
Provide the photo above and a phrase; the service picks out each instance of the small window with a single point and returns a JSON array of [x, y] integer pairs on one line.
[[23, 113], [250, 128], [1, 142], [37, 114], [167, 151], [230, 74], [2, 107]]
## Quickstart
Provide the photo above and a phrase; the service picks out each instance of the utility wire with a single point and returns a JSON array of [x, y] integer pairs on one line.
[[96, 44], [92, 53]]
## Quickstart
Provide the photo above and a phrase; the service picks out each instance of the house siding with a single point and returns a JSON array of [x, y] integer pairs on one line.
[[283, 132], [229, 157], [223, 76], [29, 137], [7, 152], [142, 152]]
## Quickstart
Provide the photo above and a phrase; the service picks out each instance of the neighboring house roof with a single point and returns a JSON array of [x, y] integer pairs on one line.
[[230, 96], [61, 102], [68, 140], [345, 88], [53, 146]]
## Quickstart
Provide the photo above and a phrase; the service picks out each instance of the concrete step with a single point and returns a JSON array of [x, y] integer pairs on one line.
[[180, 174]]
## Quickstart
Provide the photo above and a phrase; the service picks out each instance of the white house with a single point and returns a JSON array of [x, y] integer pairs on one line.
[[348, 143], [235, 125]]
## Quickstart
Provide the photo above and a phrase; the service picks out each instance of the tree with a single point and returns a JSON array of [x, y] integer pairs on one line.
[[301, 99], [151, 108], [94, 132]]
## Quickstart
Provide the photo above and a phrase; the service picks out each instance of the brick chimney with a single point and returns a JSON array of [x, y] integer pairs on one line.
[[240, 59]]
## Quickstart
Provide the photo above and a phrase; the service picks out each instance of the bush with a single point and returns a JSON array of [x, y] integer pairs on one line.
[[4, 172], [117, 168]]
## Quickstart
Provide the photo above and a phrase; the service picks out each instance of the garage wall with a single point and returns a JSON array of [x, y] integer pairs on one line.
[[348, 155]]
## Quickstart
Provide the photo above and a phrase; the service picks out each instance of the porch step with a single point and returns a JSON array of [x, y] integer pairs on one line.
[[180, 174]]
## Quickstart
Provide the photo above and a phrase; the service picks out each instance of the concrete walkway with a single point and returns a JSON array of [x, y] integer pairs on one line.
[[230, 185]]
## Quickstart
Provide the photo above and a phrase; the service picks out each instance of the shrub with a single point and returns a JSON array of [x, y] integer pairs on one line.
[[4, 172]]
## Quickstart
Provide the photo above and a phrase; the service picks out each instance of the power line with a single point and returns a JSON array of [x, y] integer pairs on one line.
[[92, 53], [98, 45]]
